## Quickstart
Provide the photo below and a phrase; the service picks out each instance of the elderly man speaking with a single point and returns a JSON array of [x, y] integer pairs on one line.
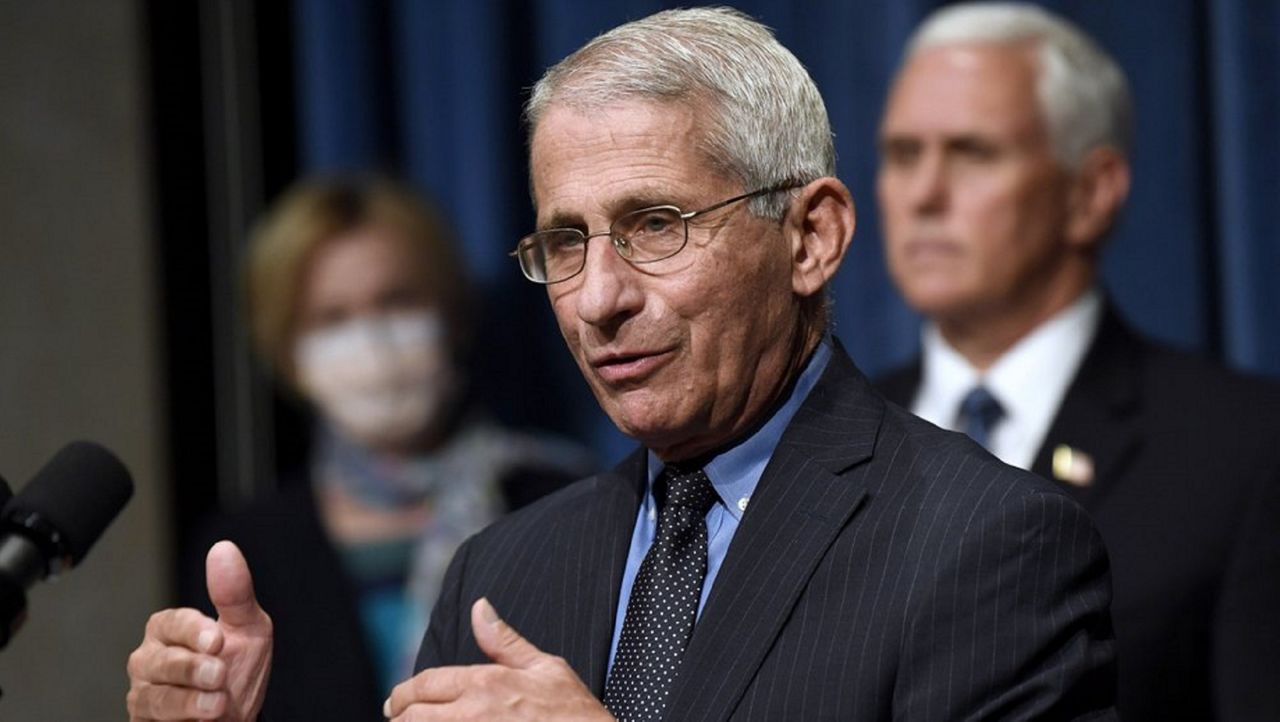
[[785, 545]]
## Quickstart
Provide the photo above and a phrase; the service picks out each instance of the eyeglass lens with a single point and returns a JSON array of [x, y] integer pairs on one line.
[[643, 236]]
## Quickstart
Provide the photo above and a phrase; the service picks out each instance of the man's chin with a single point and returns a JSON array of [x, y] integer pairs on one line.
[[642, 428], [649, 426], [936, 300]]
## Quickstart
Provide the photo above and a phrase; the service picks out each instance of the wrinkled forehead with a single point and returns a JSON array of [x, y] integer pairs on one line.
[[577, 151]]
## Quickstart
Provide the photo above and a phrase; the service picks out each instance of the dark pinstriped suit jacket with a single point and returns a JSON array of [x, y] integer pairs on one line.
[[885, 570]]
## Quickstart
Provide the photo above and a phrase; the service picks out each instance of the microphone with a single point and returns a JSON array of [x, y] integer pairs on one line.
[[48, 527], [5, 492]]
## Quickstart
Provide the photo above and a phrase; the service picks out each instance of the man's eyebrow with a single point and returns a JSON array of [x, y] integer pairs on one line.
[[972, 142], [889, 141], [561, 219], [644, 198], [967, 142], [641, 198]]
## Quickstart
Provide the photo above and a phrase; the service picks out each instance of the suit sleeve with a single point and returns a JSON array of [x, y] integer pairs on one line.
[[1014, 624], [1246, 634]]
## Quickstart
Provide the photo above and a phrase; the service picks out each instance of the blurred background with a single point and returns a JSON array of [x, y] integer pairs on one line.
[[139, 138]]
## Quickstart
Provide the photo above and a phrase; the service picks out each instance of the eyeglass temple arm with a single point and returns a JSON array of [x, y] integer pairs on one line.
[[788, 186]]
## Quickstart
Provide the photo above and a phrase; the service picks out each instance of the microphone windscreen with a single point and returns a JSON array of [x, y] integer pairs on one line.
[[78, 492], [5, 492]]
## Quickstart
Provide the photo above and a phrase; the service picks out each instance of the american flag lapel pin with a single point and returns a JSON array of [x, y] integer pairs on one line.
[[1072, 466]]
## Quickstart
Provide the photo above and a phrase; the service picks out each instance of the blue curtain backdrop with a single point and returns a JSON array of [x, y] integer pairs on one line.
[[432, 91]]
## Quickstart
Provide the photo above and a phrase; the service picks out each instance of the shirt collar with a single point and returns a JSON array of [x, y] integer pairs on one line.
[[1034, 374], [735, 472], [1029, 380]]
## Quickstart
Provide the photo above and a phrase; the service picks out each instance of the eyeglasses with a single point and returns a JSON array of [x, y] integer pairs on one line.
[[643, 236]]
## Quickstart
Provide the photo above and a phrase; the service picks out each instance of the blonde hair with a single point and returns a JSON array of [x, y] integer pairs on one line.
[[314, 212]]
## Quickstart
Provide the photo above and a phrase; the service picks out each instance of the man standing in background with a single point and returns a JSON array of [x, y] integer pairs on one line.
[[1004, 163]]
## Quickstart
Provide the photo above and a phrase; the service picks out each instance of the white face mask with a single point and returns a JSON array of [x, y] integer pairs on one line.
[[379, 379]]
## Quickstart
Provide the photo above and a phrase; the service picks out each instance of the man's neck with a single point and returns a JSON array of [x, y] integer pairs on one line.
[[982, 337]]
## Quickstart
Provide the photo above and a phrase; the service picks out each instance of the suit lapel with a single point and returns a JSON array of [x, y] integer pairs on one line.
[[591, 557], [1097, 414], [802, 502]]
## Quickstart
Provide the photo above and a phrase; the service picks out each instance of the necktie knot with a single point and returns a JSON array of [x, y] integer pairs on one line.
[[682, 489], [980, 411]]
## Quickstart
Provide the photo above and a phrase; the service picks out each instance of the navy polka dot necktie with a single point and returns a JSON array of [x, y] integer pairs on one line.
[[664, 600]]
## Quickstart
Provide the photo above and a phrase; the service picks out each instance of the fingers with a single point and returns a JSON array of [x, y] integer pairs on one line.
[[544, 685], [155, 664], [231, 586], [163, 702], [443, 684], [184, 628], [497, 639], [492, 691], [172, 675], [189, 666]]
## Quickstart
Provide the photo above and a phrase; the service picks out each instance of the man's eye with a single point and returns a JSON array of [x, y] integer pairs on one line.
[[976, 151], [563, 242], [652, 223], [900, 153]]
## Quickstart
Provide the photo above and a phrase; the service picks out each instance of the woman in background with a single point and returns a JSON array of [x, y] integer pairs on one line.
[[358, 304]]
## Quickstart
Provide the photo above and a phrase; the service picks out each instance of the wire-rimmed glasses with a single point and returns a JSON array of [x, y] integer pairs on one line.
[[641, 236]]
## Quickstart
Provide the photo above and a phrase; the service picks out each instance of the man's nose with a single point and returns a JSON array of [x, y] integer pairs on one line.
[[610, 289], [927, 187]]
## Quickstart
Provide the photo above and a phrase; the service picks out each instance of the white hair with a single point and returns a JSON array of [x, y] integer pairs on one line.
[[763, 121], [1083, 94]]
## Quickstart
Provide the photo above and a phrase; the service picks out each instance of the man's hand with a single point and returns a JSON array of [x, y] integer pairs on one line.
[[523, 683], [190, 667]]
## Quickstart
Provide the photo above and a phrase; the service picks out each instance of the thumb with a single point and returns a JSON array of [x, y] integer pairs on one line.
[[231, 586], [499, 640]]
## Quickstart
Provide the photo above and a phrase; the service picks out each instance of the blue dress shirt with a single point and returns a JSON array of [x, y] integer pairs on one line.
[[734, 474]]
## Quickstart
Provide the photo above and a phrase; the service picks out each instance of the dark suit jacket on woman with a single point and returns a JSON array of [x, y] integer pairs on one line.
[[884, 570], [1186, 493]]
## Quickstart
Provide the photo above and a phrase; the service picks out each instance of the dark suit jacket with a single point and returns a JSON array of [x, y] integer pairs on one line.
[[1186, 493], [885, 569]]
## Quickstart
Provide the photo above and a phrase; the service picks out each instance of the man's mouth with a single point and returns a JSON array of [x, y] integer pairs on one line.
[[930, 249], [629, 367]]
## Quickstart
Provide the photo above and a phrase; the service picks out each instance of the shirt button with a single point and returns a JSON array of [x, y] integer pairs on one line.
[[742, 503]]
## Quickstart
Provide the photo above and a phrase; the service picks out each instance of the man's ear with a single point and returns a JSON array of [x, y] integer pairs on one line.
[[1098, 190], [818, 228]]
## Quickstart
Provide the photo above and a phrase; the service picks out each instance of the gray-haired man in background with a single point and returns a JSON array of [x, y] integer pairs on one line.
[[1004, 162]]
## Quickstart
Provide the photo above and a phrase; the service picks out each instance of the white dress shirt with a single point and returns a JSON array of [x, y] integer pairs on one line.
[[1029, 380]]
